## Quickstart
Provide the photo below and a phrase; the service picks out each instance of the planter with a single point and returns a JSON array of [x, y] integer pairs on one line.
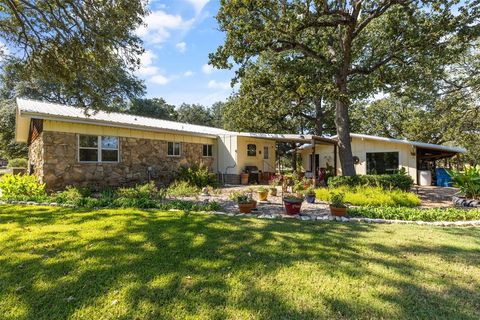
[[262, 196], [292, 207], [273, 192], [310, 198], [339, 212], [254, 204], [245, 207], [244, 178]]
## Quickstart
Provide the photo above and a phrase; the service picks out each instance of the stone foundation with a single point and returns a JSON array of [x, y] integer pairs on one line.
[[54, 159]]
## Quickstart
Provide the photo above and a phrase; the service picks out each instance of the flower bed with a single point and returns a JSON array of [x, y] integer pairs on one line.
[[416, 214]]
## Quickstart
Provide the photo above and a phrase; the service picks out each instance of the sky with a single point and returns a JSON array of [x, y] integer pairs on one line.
[[178, 37]]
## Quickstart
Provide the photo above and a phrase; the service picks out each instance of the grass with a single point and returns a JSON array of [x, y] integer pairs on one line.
[[431, 214], [371, 196], [58, 263]]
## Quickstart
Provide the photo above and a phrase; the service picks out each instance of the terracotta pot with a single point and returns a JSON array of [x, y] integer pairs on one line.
[[292, 208], [244, 178], [262, 196], [339, 212], [245, 207], [273, 192]]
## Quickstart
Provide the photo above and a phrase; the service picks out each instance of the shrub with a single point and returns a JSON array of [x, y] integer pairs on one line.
[[22, 188], [197, 175], [73, 196], [141, 196], [17, 163], [182, 189], [371, 196], [416, 214], [467, 181], [337, 200], [399, 181]]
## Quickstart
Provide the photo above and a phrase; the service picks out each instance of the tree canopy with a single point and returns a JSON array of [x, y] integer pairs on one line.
[[87, 49], [361, 47]]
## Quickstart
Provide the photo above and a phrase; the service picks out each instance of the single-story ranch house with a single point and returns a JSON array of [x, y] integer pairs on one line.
[[69, 146]]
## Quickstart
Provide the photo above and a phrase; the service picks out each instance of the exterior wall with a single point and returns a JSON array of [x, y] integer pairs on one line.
[[360, 148], [55, 159], [265, 165], [36, 156], [71, 127]]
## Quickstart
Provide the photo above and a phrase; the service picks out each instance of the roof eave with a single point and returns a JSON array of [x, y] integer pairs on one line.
[[113, 124]]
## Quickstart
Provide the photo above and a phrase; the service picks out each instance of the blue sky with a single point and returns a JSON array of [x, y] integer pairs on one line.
[[178, 38]]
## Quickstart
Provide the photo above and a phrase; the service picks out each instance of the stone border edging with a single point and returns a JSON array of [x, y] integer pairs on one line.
[[468, 223]]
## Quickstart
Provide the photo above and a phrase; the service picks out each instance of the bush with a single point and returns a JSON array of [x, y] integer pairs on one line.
[[182, 189], [197, 175], [416, 214], [141, 196], [17, 163], [189, 206], [371, 196], [467, 181], [399, 181], [22, 188]]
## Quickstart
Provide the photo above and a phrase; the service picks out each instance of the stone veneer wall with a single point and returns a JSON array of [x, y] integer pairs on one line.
[[60, 167], [35, 156]]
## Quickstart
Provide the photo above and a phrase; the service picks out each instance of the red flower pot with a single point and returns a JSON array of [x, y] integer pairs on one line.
[[292, 207]]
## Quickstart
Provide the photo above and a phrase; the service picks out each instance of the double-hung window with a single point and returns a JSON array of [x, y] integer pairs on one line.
[[207, 150], [97, 148], [173, 149], [265, 152]]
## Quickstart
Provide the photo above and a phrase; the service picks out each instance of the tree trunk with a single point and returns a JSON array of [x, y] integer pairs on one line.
[[342, 122], [318, 117]]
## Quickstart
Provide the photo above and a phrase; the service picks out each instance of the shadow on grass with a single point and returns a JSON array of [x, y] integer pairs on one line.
[[174, 265]]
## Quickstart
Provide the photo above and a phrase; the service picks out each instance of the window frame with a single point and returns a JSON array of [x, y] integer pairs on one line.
[[367, 171], [173, 149], [209, 148], [266, 153], [99, 149], [251, 144]]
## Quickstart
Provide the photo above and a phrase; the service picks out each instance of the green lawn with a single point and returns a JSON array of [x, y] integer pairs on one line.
[[60, 263]]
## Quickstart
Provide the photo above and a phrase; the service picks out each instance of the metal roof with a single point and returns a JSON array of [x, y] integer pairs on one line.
[[408, 142], [53, 111]]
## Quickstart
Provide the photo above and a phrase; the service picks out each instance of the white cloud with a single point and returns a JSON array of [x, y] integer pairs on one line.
[[146, 64], [198, 5], [181, 46], [188, 73], [207, 69], [213, 84], [159, 24], [160, 79]]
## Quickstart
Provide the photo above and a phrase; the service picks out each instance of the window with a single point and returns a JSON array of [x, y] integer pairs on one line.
[[173, 149], [251, 150], [97, 148], [207, 150], [265, 152], [382, 162]]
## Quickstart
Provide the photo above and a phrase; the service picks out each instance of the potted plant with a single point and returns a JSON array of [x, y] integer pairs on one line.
[[337, 204], [273, 186], [310, 195], [299, 188], [293, 204], [262, 194]]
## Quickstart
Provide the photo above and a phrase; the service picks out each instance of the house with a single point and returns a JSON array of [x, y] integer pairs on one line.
[[71, 146], [379, 155], [68, 146]]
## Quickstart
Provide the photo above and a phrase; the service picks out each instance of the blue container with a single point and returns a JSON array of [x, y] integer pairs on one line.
[[443, 178]]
